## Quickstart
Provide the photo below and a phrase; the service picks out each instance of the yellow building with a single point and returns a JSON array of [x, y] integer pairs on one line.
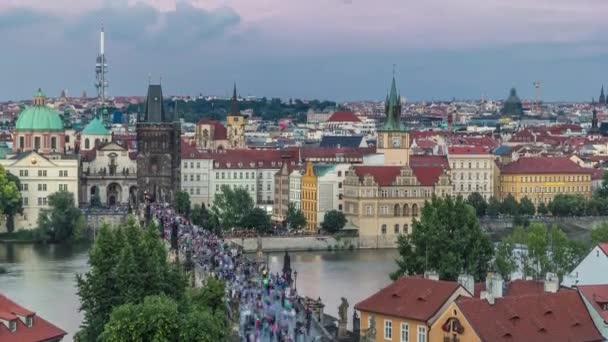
[[451, 325], [309, 197], [407, 309], [542, 178]]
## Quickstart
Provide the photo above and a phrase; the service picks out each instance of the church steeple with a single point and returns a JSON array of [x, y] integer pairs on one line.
[[234, 105], [594, 126], [602, 98], [393, 110]]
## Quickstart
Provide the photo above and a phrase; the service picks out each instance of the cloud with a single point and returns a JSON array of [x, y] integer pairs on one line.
[[17, 18]]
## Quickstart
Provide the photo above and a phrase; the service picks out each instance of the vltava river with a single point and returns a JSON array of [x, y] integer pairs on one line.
[[42, 277]]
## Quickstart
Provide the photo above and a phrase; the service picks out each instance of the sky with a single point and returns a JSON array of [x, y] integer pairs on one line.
[[325, 49]]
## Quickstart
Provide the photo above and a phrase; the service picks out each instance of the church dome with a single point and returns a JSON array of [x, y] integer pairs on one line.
[[39, 117], [95, 127]]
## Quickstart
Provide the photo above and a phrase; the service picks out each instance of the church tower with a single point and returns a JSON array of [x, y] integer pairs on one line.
[[235, 123], [602, 98], [158, 150], [393, 138]]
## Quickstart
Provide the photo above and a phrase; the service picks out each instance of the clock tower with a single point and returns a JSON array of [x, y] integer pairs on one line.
[[393, 138]]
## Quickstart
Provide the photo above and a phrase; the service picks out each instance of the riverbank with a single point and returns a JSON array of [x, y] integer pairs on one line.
[[21, 236], [314, 243]]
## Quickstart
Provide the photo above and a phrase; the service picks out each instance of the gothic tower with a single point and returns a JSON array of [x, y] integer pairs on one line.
[[393, 139], [235, 123], [594, 123], [602, 98], [158, 150]]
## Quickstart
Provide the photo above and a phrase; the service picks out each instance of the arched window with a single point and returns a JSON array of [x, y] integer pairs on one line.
[[383, 229], [405, 228], [415, 210], [53, 142], [406, 210], [397, 210], [22, 142], [87, 144], [397, 228]]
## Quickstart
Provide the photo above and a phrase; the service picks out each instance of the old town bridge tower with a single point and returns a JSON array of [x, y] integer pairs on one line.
[[158, 150]]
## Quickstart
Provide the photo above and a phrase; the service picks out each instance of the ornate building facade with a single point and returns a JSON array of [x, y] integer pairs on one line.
[[158, 156], [235, 124], [382, 201]]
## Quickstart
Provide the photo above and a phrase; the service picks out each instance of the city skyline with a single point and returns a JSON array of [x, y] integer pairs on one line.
[[338, 50]]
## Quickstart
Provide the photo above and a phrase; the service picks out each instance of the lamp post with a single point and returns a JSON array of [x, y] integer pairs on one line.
[[295, 280]]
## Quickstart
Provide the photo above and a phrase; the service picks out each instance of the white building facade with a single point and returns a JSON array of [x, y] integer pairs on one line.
[[472, 170]]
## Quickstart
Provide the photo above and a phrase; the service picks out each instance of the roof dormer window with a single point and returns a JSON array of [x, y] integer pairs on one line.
[[29, 321], [13, 325]]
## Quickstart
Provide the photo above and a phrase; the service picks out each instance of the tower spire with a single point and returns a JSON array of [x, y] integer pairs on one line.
[[393, 108], [234, 105], [101, 69], [602, 99]]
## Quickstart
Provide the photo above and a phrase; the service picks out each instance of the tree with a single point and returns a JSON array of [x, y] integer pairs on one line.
[[196, 215], [95, 201], [600, 234], [478, 202], [504, 262], [568, 205], [182, 203], [257, 219], [200, 317], [295, 217], [63, 221], [127, 265], [509, 205], [546, 250], [494, 207], [526, 207], [542, 209], [447, 239], [333, 221], [10, 198], [231, 206], [603, 190]]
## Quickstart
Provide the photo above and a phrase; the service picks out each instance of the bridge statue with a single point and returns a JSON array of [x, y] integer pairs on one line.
[[343, 318], [370, 333]]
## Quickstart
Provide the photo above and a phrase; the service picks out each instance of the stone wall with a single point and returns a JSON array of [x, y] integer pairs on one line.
[[314, 243]]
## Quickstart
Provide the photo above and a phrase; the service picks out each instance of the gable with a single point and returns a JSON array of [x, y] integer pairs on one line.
[[112, 147], [32, 159]]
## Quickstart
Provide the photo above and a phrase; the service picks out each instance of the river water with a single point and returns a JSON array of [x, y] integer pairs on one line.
[[42, 277]]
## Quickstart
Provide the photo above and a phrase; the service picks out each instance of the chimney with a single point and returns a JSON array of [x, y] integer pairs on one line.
[[468, 282], [494, 284], [432, 275], [551, 282], [487, 296]]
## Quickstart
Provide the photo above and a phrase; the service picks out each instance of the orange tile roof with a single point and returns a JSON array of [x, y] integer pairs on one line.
[[343, 116], [414, 298]]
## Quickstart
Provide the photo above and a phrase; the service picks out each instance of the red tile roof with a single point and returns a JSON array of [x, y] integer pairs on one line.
[[41, 330], [343, 116], [527, 165], [438, 161], [604, 247], [386, 175], [238, 159], [219, 130], [560, 316], [597, 295], [483, 141], [461, 149], [410, 297]]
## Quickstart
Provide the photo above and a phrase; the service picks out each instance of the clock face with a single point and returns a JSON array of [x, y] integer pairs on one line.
[[396, 141]]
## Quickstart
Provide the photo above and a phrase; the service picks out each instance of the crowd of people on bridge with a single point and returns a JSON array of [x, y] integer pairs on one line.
[[264, 304]]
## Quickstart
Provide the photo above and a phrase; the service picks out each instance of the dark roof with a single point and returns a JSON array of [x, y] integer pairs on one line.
[[414, 298], [340, 141], [560, 316], [41, 330], [155, 108], [527, 165], [503, 150]]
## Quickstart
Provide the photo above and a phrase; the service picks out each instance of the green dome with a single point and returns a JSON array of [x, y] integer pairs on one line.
[[95, 127], [39, 118]]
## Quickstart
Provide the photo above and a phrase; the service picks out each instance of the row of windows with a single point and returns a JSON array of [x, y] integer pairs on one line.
[[384, 210], [578, 178], [395, 228], [42, 173], [470, 187], [38, 142], [470, 176], [388, 193], [235, 186], [42, 187], [309, 195], [405, 331], [239, 175], [198, 165], [462, 164], [551, 189]]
